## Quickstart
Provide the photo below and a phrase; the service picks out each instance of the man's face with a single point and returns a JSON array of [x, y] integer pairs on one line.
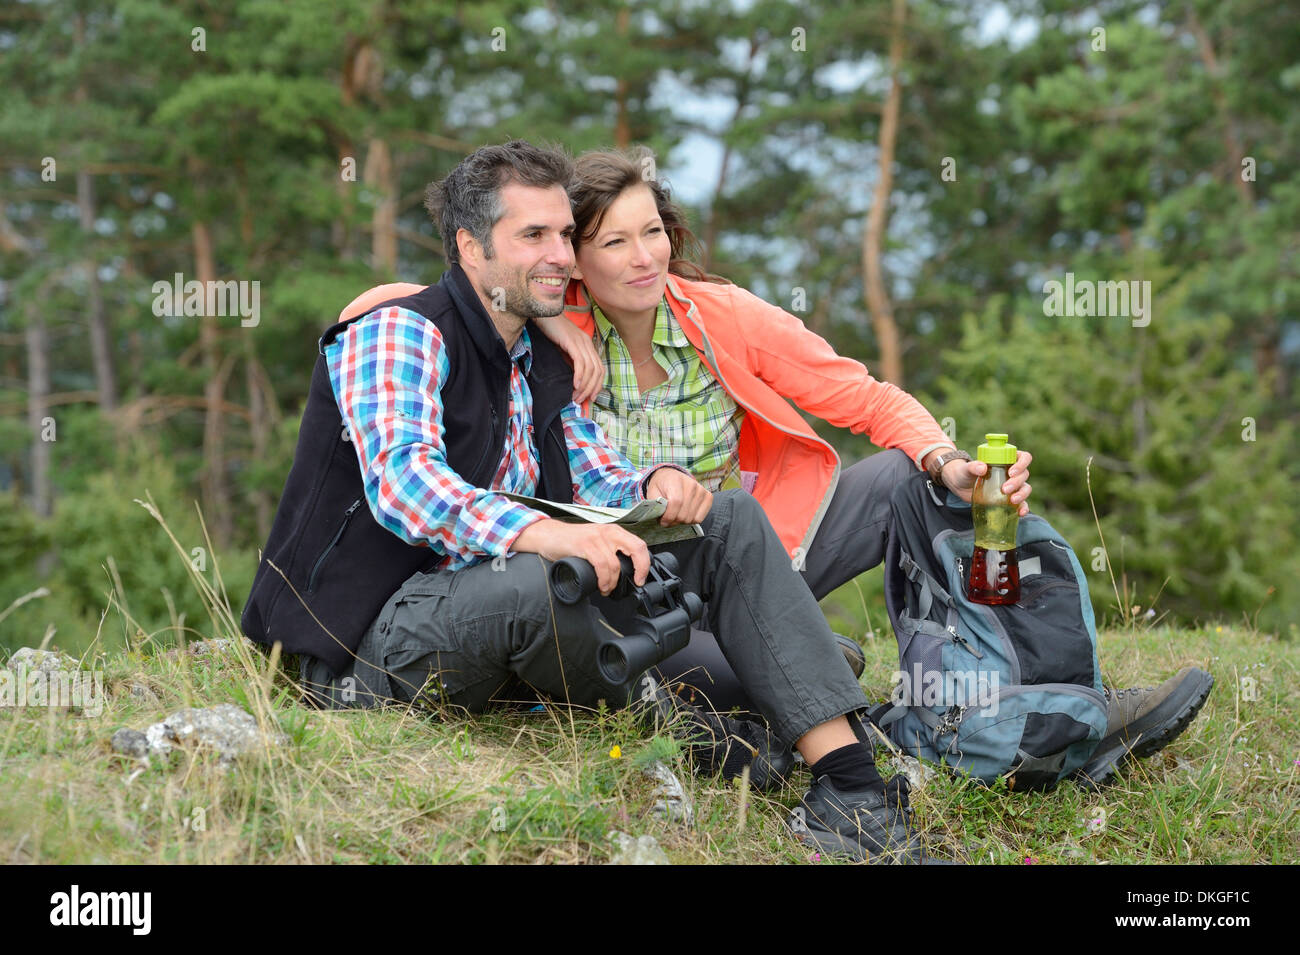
[[532, 254]]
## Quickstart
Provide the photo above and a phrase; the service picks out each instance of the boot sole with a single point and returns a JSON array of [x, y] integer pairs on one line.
[[1159, 728], [833, 843]]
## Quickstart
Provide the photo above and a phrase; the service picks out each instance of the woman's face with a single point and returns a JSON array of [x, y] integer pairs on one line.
[[625, 265]]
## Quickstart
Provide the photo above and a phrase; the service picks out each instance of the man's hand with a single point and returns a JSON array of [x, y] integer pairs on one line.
[[688, 501], [960, 476], [588, 370], [598, 544]]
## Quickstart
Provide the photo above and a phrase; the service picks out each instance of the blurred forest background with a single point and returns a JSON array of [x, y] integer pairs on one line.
[[903, 174]]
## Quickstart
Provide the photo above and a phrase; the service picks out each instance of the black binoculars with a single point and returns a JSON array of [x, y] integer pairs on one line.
[[655, 618]]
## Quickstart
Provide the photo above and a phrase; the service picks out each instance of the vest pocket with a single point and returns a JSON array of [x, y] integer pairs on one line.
[[319, 565]]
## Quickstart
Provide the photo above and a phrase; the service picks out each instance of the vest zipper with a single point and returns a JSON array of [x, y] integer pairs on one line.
[[315, 570], [493, 443]]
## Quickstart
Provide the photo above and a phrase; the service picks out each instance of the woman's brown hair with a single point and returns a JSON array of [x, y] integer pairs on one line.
[[601, 176]]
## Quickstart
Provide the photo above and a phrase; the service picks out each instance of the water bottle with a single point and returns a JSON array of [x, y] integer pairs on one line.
[[994, 571]]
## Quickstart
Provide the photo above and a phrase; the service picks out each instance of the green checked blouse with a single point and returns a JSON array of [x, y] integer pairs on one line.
[[689, 420]]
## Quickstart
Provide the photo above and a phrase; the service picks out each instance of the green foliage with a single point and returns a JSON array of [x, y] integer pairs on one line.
[[108, 553], [1191, 506], [1126, 162]]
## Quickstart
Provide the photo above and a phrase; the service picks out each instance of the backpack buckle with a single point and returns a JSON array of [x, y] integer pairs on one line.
[[951, 719]]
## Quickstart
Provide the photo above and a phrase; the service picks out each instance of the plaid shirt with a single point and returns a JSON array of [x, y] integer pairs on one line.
[[386, 370], [689, 420]]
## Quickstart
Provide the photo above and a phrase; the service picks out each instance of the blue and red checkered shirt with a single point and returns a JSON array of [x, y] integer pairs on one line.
[[386, 370]]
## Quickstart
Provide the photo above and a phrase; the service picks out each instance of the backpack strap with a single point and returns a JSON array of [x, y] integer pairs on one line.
[[929, 587]]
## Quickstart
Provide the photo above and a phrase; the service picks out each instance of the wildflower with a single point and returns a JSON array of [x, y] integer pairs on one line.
[[1030, 860], [616, 752]]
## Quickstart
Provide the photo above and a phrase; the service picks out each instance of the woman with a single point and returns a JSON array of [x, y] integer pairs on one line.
[[697, 373]]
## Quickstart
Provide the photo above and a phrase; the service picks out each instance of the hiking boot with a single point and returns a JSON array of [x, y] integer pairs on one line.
[[869, 825], [716, 743], [1141, 721], [852, 653]]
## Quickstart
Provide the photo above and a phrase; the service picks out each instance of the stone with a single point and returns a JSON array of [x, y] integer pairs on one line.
[[225, 728], [143, 693], [48, 661], [209, 648], [917, 773], [673, 803], [641, 850], [131, 742]]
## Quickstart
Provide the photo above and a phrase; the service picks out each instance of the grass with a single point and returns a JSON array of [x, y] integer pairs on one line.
[[397, 786]]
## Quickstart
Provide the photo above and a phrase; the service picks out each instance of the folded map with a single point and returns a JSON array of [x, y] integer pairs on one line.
[[641, 520]]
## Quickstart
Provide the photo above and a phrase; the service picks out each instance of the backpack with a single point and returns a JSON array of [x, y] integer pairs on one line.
[[989, 690]]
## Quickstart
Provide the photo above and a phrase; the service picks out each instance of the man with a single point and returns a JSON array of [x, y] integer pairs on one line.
[[425, 407]]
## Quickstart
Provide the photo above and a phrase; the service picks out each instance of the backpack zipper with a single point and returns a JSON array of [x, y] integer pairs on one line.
[[970, 647]]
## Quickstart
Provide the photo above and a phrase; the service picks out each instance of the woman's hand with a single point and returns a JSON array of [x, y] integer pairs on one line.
[[960, 476], [588, 370], [688, 501]]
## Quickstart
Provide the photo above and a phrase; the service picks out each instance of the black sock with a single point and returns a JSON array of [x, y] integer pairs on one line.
[[850, 768]]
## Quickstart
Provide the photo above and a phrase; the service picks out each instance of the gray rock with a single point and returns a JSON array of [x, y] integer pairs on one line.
[[131, 742], [225, 728], [673, 802], [158, 739], [211, 648], [917, 773], [142, 692], [49, 661], [642, 850]]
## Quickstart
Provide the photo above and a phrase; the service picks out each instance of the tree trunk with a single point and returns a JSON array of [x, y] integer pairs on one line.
[[101, 334], [622, 128], [259, 425], [38, 392], [216, 503], [882, 314], [1267, 334], [1231, 136], [742, 97], [383, 234]]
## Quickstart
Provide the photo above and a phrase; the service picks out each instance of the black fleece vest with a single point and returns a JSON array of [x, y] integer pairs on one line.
[[340, 563]]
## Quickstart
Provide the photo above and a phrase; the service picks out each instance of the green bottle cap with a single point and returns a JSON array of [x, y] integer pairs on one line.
[[997, 451]]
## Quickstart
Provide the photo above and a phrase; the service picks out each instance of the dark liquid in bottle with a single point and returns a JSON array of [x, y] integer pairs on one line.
[[994, 577]]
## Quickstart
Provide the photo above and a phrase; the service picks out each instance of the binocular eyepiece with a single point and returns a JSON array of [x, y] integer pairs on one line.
[[660, 626]]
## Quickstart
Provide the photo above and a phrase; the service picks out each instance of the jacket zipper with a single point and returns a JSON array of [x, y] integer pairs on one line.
[[347, 518], [835, 478]]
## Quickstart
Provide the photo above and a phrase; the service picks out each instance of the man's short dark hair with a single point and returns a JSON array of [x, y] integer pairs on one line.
[[470, 196]]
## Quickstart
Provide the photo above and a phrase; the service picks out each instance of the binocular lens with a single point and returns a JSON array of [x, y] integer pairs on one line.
[[613, 664], [572, 580]]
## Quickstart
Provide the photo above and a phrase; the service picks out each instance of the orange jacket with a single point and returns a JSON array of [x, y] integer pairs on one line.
[[763, 355]]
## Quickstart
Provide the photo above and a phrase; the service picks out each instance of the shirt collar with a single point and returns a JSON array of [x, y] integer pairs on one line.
[[523, 352], [667, 332]]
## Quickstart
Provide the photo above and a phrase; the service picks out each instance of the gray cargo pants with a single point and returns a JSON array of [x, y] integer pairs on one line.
[[474, 637], [850, 541]]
